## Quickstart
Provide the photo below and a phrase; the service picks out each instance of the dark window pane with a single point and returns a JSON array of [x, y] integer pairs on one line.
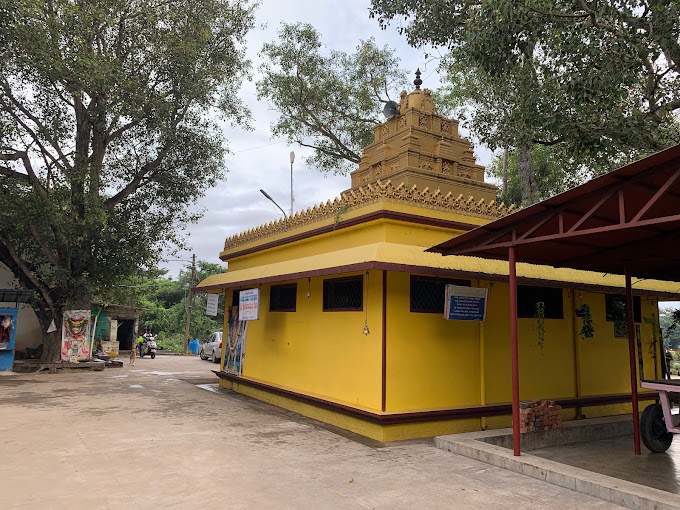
[[283, 298], [345, 294], [615, 310], [528, 297], [428, 294]]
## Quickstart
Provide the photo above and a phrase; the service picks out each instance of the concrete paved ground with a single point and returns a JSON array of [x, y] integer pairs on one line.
[[615, 457], [143, 437]]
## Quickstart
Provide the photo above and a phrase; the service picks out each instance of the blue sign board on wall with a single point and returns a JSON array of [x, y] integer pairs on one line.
[[465, 303]]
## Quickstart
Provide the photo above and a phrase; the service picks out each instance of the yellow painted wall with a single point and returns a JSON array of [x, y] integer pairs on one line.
[[544, 372], [366, 233], [431, 362], [373, 232], [434, 363], [604, 359], [319, 353]]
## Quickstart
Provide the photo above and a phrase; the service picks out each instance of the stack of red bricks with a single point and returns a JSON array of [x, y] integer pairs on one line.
[[539, 415]]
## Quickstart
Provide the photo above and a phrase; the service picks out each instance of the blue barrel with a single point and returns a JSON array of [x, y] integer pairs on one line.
[[193, 346]]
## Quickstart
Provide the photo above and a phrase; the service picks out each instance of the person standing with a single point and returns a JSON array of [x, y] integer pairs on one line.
[[668, 355], [140, 340]]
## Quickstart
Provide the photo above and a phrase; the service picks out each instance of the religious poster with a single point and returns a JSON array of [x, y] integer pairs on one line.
[[75, 336], [6, 327], [249, 305], [465, 303], [236, 342]]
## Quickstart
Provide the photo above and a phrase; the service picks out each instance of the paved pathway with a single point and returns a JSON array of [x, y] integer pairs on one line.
[[143, 437]]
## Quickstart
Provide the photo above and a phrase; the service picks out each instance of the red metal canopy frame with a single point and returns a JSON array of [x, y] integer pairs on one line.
[[624, 222]]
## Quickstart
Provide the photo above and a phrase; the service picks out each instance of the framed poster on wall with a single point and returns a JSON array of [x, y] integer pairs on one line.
[[236, 342], [75, 335]]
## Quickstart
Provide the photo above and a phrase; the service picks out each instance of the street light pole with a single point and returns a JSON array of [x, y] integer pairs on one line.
[[285, 218], [292, 159]]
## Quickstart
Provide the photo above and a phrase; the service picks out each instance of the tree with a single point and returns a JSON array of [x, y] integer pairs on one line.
[[107, 136], [551, 176], [328, 100], [598, 78], [164, 307], [668, 320]]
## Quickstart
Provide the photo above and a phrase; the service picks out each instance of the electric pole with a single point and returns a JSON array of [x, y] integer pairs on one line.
[[190, 303]]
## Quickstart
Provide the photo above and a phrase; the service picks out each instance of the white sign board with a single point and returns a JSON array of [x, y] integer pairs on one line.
[[211, 306], [114, 330], [249, 305], [465, 303]]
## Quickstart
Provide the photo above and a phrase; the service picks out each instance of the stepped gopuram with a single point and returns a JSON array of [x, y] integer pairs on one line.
[[423, 149], [417, 159]]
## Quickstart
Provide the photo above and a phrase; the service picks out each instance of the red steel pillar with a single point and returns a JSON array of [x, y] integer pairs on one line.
[[515, 351], [633, 366]]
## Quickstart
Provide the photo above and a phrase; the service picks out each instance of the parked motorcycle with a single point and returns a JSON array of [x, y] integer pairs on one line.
[[148, 346]]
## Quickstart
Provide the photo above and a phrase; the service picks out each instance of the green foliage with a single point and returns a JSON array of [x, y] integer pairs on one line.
[[587, 328], [164, 308], [619, 315], [328, 100], [668, 321], [552, 175], [342, 210], [108, 135], [599, 79]]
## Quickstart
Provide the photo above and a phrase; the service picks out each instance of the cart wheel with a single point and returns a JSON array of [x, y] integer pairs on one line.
[[653, 429]]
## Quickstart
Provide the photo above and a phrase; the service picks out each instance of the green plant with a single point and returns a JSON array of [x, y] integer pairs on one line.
[[170, 342], [655, 336], [338, 215], [618, 313], [587, 329], [539, 318]]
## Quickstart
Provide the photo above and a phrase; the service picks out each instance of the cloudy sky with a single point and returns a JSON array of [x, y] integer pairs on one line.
[[258, 161]]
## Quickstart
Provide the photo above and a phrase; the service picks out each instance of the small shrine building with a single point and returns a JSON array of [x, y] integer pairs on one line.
[[351, 328]]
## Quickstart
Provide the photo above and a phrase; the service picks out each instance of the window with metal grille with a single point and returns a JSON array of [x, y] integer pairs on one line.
[[283, 298], [428, 294], [528, 297], [343, 294], [615, 311]]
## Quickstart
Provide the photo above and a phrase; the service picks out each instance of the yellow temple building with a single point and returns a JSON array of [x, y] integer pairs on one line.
[[350, 328]]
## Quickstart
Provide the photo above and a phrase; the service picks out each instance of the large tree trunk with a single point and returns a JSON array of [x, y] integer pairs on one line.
[[527, 181], [51, 341]]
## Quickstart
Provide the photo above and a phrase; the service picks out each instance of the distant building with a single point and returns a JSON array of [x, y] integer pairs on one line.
[[113, 322]]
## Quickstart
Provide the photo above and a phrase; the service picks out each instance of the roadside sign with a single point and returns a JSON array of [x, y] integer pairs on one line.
[[211, 306]]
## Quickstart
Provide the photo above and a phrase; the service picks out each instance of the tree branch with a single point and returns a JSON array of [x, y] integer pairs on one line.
[[35, 120], [48, 253], [29, 177], [29, 275], [136, 181], [7, 171], [328, 152]]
